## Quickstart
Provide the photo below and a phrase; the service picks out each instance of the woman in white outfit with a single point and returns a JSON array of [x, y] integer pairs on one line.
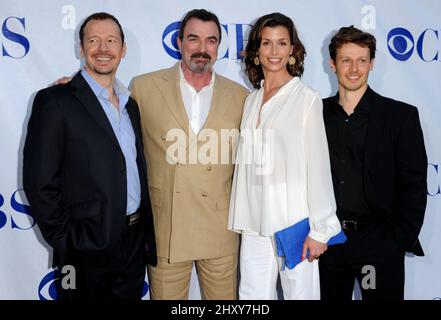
[[282, 173]]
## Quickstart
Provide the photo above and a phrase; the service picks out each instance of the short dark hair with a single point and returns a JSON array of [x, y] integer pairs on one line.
[[352, 35], [200, 14], [255, 73], [100, 16]]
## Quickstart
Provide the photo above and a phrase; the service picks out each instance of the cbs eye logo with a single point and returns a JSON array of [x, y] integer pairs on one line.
[[145, 289], [233, 41], [170, 40], [400, 43], [47, 287]]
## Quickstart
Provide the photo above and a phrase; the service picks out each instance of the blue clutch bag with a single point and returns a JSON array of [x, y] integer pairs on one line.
[[289, 242]]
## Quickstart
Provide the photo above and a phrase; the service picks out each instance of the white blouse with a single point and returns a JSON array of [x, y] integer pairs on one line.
[[282, 172]]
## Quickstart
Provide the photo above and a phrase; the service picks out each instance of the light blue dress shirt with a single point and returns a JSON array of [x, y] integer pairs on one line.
[[122, 127]]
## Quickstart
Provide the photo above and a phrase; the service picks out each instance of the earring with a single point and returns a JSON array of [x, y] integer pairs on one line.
[[291, 60], [256, 61]]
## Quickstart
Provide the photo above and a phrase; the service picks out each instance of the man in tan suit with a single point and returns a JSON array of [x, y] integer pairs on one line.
[[188, 115]]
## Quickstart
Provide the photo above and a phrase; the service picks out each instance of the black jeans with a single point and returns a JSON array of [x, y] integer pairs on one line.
[[372, 256]]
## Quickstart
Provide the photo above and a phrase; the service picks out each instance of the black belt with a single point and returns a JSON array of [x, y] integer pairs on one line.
[[350, 225], [356, 224], [133, 218]]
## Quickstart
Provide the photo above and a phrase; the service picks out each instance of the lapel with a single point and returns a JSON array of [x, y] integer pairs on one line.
[[377, 129], [134, 116], [215, 115], [130, 107], [171, 91], [209, 123], [90, 102], [219, 99], [135, 120], [329, 108]]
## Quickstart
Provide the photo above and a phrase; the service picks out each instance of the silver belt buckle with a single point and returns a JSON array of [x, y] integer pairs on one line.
[[134, 218], [349, 225]]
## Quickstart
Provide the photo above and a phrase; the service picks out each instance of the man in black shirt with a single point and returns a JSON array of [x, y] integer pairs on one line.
[[379, 168]]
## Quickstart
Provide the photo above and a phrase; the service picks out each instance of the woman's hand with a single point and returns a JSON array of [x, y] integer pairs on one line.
[[315, 248]]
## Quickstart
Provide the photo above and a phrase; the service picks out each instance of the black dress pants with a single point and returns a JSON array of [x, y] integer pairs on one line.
[[124, 282], [371, 256]]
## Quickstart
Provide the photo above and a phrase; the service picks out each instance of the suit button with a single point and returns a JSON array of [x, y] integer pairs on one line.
[[342, 182], [204, 194], [163, 138], [209, 168]]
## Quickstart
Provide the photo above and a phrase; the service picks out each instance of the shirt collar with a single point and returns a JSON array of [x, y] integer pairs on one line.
[[120, 90], [363, 105], [183, 80]]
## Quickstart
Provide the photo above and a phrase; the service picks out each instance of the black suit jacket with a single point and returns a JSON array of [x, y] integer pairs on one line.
[[395, 166], [74, 177]]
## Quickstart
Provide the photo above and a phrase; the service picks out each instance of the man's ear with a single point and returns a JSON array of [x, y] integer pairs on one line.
[[179, 43], [372, 64], [332, 65], [124, 50], [81, 50]]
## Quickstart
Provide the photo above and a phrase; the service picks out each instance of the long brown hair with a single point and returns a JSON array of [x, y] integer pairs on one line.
[[255, 72]]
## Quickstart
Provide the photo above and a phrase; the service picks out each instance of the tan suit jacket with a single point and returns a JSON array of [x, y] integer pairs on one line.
[[190, 199]]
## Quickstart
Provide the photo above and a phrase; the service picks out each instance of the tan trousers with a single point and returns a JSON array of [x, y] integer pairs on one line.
[[217, 279]]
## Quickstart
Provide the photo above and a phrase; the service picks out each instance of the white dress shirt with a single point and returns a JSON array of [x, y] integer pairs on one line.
[[282, 172], [197, 104]]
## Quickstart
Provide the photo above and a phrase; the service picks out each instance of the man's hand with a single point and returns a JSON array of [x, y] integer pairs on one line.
[[315, 248]]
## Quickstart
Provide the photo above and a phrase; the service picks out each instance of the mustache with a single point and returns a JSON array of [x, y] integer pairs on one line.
[[203, 55]]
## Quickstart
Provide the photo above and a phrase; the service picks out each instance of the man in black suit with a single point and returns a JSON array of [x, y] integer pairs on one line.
[[85, 174], [379, 168]]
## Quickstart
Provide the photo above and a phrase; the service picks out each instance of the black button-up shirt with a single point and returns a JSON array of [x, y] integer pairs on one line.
[[347, 140]]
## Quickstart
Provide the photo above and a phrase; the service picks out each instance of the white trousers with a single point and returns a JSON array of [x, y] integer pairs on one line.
[[260, 267]]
